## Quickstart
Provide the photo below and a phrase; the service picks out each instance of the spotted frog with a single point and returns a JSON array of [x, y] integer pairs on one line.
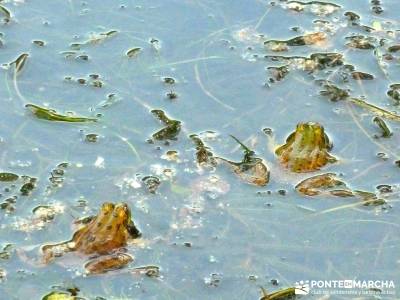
[[102, 238], [306, 149]]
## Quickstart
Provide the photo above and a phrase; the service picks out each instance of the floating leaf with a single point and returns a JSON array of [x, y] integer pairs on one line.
[[134, 52], [52, 115], [6, 13], [20, 62], [6, 177]]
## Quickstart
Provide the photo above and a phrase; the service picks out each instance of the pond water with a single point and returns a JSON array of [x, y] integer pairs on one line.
[[207, 64]]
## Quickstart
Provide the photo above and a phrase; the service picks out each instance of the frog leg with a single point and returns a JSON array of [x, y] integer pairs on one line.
[[105, 263], [56, 250]]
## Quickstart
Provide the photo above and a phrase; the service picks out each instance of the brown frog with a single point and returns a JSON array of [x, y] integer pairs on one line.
[[102, 238], [306, 149]]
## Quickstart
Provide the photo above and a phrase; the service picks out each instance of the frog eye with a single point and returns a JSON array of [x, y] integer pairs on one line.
[[107, 207]]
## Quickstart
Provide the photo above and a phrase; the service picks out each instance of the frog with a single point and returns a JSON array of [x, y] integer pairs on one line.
[[306, 149], [102, 239]]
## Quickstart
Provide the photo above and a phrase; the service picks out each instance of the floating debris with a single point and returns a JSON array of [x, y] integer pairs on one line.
[[331, 184], [92, 137], [133, 52], [362, 76], [307, 39], [306, 149], [29, 185], [172, 129], [361, 42], [149, 271], [285, 294], [333, 92], [7, 177], [6, 13], [92, 80], [394, 92], [52, 115], [204, 156], [20, 62], [318, 8], [386, 132], [39, 43], [251, 169], [151, 183], [278, 73], [316, 61]]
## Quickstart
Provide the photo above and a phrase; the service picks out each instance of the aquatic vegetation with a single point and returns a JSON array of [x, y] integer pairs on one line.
[[6, 177], [151, 183], [315, 62], [171, 129], [109, 231], [92, 80], [204, 156], [394, 92], [334, 94], [306, 149], [318, 8], [20, 62], [133, 52], [251, 169], [284, 294], [303, 40], [361, 76], [361, 42], [385, 130], [331, 184], [278, 73], [52, 115]]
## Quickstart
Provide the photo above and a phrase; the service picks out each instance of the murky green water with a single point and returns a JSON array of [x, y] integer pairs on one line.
[[212, 235]]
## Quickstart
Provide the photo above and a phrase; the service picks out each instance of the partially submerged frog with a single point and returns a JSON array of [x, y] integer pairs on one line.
[[306, 149], [102, 238]]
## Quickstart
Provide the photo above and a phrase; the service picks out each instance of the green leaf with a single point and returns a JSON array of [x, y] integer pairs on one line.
[[52, 115]]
